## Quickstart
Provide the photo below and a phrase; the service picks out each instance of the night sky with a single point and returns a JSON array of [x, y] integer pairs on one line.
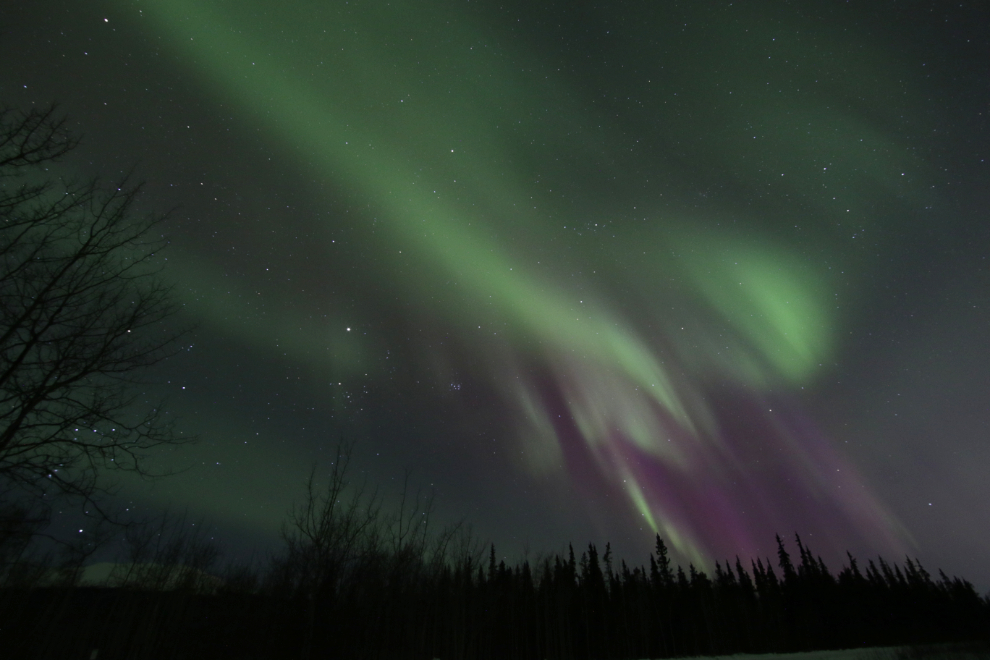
[[589, 271]]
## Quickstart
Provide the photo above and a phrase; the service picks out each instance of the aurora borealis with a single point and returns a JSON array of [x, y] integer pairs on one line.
[[717, 271]]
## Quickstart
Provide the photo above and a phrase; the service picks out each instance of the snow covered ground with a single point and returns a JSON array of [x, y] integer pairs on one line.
[[939, 652]]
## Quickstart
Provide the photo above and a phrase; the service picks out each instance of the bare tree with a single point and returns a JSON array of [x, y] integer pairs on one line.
[[168, 553], [332, 530], [82, 315]]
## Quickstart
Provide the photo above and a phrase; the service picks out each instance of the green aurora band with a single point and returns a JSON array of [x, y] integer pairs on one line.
[[465, 151]]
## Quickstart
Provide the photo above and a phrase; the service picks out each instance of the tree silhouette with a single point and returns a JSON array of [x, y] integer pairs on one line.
[[445, 604], [331, 530], [82, 311]]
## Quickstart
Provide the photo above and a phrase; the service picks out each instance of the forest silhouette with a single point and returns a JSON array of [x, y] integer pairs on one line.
[[355, 580]]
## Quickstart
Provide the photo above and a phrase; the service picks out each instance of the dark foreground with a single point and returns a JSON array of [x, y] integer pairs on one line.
[[558, 608]]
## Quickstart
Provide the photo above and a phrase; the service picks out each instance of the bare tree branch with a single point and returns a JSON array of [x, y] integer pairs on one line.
[[33, 137], [83, 313]]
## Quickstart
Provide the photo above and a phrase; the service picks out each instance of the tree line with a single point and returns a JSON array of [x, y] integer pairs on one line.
[[355, 579]]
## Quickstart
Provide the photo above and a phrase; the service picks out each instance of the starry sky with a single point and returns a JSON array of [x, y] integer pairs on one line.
[[588, 271]]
